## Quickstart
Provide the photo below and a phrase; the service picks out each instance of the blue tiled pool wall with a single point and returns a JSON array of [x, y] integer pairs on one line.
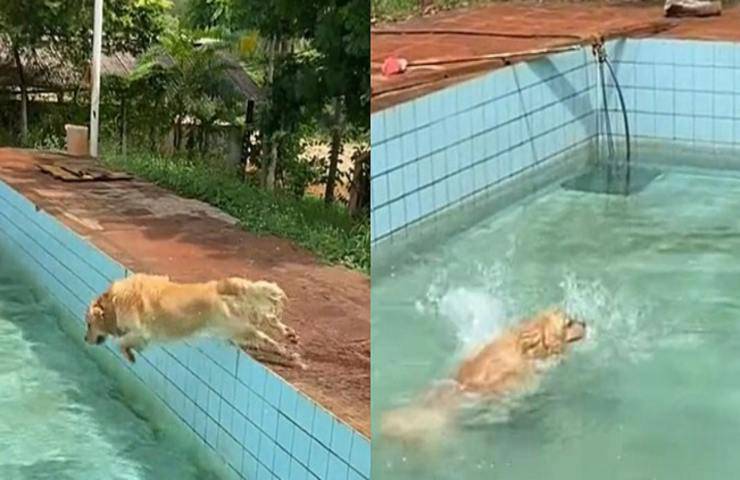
[[260, 426], [447, 147], [679, 94], [439, 150]]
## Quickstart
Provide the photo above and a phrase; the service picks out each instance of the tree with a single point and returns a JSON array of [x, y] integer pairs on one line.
[[359, 190], [191, 82], [64, 26], [210, 15], [317, 68], [336, 73], [342, 39], [26, 26]]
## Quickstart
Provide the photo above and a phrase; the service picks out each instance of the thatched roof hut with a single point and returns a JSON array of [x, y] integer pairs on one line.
[[47, 70]]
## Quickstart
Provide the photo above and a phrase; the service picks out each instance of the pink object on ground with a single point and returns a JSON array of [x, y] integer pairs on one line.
[[394, 66]]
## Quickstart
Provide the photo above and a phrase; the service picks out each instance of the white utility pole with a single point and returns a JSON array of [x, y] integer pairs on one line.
[[95, 98]]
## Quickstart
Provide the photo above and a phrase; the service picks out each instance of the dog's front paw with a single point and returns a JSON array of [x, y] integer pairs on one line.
[[129, 354]]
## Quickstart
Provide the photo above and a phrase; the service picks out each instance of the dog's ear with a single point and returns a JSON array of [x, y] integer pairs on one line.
[[98, 306], [553, 331], [531, 341], [104, 311]]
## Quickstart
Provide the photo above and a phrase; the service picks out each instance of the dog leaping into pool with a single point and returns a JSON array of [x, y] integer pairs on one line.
[[142, 309], [508, 364]]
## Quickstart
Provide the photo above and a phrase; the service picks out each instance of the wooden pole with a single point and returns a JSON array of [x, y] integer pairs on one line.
[[24, 94], [123, 122]]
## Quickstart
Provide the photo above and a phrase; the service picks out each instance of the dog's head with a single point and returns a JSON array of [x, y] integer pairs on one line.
[[549, 333], [100, 319]]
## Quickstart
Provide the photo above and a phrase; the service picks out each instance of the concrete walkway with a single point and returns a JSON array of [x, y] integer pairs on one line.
[[442, 42]]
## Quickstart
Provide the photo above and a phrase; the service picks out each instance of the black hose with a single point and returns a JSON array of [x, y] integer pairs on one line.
[[624, 108], [608, 126]]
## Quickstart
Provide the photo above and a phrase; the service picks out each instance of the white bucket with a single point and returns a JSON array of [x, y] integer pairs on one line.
[[77, 140]]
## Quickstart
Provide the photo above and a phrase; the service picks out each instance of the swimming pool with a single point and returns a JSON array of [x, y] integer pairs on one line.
[[228, 404], [61, 416], [651, 393], [471, 230]]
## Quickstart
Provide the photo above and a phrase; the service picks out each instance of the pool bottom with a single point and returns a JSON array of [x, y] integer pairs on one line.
[[613, 179], [61, 416]]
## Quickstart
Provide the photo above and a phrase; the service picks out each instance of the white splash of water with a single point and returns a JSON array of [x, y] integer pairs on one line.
[[476, 310], [480, 305], [616, 327], [476, 315]]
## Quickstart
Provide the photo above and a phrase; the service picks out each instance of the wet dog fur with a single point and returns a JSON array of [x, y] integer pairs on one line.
[[507, 364]]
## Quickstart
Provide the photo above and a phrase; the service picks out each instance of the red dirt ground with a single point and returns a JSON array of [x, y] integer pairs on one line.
[[569, 20], [148, 229]]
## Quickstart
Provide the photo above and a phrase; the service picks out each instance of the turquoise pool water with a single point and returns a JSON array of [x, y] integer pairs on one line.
[[654, 391], [61, 417]]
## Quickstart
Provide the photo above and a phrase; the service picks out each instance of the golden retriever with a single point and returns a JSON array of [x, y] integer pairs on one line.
[[151, 308], [506, 365]]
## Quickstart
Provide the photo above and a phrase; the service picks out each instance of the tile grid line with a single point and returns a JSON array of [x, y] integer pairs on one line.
[[61, 225], [24, 233], [706, 143], [63, 246], [482, 132], [481, 161], [674, 64], [677, 89], [478, 105], [477, 191], [681, 115]]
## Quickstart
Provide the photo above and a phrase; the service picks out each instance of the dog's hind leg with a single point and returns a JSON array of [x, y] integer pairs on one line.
[[272, 326], [275, 359], [254, 338], [259, 344]]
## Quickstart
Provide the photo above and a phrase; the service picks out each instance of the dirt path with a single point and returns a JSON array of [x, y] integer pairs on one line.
[[149, 229]]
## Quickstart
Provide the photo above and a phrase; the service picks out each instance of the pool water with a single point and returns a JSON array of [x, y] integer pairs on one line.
[[652, 393], [61, 417]]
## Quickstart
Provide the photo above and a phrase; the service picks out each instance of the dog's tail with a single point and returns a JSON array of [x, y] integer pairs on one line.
[[427, 420]]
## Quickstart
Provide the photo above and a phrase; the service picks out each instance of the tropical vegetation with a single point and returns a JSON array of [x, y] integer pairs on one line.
[[189, 70]]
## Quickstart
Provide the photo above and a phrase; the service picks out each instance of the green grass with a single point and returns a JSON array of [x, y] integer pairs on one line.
[[328, 231], [394, 10]]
